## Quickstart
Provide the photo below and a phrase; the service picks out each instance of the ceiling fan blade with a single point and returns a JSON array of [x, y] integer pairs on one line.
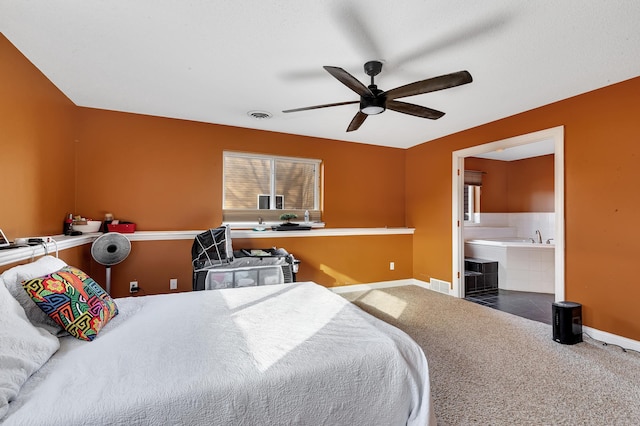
[[431, 85], [321, 106], [356, 26], [453, 36], [412, 109], [348, 80], [357, 121]]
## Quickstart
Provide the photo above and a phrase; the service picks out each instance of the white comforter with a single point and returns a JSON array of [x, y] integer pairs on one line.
[[291, 354]]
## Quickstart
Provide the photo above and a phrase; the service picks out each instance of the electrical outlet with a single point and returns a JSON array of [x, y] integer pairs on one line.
[[133, 286], [392, 266], [173, 284]]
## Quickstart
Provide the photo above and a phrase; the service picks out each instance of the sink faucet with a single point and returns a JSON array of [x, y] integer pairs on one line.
[[260, 220], [539, 235]]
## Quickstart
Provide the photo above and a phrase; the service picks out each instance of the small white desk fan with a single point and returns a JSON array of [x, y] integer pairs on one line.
[[110, 249]]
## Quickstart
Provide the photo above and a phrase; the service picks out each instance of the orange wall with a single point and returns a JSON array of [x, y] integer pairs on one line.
[[601, 205], [329, 261], [36, 141], [166, 174], [515, 186], [152, 264], [494, 193], [337, 261]]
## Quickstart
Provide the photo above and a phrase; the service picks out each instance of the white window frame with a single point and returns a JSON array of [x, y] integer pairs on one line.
[[238, 214]]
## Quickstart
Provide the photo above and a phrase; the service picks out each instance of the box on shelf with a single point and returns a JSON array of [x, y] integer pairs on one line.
[[123, 228]]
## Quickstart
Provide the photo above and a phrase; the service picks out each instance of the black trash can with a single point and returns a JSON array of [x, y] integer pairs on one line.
[[567, 322]]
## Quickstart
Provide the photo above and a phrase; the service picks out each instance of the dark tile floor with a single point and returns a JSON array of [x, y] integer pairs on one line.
[[535, 306]]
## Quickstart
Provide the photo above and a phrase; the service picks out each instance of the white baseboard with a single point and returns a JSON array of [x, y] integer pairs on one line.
[[612, 339]]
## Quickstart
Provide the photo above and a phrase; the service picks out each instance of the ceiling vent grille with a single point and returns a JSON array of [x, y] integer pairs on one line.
[[259, 115]]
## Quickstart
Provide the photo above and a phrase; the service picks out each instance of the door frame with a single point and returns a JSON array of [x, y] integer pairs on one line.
[[457, 209]]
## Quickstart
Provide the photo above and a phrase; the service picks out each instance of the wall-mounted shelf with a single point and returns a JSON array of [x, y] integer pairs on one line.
[[63, 242]]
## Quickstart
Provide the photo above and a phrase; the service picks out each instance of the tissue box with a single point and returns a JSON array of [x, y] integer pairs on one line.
[[123, 228]]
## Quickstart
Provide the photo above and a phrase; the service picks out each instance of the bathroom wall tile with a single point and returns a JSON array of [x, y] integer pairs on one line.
[[526, 224], [548, 255], [480, 232], [549, 276], [518, 259], [500, 225], [494, 219], [514, 284], [521, 268], [518, 274]]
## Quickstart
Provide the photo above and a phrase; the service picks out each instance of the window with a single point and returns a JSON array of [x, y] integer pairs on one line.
[[470, 205], [260, 186], [472, 185]]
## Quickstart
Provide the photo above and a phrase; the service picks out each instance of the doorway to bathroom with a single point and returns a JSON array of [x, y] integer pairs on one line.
[[551, 140]]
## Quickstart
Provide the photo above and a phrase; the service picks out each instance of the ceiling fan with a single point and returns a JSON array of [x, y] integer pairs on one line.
[[375, 101]]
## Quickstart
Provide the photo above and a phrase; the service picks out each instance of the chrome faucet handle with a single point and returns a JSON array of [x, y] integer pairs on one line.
[[549, 240], [539, 235], [532, 240]]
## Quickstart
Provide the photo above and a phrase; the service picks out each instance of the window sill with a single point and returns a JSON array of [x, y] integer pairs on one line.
[[268, 224]]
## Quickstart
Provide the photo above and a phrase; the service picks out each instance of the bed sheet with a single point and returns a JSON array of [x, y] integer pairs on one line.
[[293, 354]]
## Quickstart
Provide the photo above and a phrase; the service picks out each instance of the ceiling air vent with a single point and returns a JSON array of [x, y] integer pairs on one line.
[[259, 115]]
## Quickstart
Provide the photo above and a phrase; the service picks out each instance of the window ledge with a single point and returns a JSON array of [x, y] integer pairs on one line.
[[268, 224], [325, 232]]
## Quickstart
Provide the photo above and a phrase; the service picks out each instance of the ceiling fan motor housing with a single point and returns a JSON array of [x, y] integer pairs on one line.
[[373, 68], [376, 104]]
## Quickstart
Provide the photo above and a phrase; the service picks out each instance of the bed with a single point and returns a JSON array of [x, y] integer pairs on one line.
[[294, 354]]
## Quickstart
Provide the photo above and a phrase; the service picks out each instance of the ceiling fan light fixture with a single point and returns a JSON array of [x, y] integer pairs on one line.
[[372, 106], [372, 110]]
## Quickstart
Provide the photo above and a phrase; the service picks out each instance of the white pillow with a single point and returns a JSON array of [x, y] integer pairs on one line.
[[13, 280], [24, 348]]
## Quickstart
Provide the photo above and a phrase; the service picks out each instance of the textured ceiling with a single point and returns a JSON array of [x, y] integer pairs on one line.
[[213, 61]]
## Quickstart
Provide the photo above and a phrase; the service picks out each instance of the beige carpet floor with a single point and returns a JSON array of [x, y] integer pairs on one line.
[[492, 368]]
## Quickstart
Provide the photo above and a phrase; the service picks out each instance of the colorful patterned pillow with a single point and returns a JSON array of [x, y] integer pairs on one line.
[[73, 300]]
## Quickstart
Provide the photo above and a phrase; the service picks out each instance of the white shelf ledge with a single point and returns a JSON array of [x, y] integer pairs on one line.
[[63, 242]]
